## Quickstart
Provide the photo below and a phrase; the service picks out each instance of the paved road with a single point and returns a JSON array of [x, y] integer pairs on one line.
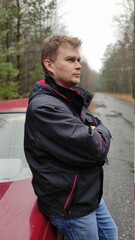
[[118, 184]]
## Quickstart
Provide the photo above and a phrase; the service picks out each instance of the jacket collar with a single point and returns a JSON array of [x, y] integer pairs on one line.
[[76, 98]]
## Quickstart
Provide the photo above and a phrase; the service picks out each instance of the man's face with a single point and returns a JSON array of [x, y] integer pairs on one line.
[[66, 68]]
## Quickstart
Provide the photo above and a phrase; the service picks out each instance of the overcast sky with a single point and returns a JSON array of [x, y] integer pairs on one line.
[[92, 21]]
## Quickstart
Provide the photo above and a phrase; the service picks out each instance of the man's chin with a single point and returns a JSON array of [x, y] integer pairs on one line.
[[76, 81], [72, 84]]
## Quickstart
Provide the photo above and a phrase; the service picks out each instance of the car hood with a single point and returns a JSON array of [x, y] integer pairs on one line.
[[19, 215]]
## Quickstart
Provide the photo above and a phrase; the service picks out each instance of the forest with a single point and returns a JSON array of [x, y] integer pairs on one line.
[[118, 72], [24, 24]]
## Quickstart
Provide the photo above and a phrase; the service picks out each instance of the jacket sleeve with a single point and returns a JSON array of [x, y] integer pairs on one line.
[[66, 137]]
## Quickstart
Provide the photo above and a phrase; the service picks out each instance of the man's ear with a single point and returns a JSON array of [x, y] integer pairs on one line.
[[48, 65]]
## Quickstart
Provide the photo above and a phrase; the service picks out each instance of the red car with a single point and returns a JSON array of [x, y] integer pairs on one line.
[[19, 215]]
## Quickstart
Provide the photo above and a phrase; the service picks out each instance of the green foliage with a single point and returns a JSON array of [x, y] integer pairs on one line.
[[23, 26], [7, 69], [37, 72], [9, 91], [19, 48], [133, 69], [116, 73], [85, 75], [89, 78]]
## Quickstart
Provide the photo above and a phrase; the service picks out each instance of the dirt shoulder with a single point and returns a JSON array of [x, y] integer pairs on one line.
[[124, 97]]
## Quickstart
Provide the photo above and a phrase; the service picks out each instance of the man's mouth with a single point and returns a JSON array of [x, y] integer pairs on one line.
[[77, 75]]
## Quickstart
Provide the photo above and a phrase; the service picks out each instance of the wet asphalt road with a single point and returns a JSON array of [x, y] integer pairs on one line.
[[117, 115]]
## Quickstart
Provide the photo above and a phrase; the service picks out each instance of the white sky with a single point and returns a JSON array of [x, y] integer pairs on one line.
[[92, 21]]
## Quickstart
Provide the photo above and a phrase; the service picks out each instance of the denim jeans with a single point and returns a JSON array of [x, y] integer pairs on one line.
[[98, 225]]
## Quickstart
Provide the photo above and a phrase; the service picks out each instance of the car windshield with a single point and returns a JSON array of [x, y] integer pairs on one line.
[[13, 165]]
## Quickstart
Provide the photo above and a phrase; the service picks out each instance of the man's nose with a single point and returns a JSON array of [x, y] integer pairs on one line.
[[78, 65]]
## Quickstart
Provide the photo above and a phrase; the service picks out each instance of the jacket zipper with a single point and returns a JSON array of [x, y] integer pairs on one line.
[[71, 192]]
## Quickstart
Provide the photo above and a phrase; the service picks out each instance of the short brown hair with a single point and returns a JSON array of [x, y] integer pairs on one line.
[[51, 45]]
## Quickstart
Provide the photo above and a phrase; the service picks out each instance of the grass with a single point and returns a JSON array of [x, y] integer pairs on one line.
[[92, 107], [125, 97]]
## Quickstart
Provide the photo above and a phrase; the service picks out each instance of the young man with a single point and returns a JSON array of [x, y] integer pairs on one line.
[[66, 146]]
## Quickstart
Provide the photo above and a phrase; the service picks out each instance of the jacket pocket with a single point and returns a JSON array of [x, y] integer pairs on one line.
[[71, 194]]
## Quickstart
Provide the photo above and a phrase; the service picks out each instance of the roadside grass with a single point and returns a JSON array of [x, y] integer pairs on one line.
[[92, 107], [124, 97]]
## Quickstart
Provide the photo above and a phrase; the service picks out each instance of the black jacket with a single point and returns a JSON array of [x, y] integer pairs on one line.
[[64, 153]]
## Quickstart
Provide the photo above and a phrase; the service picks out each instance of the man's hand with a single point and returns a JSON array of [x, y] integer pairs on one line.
[[92, 127]]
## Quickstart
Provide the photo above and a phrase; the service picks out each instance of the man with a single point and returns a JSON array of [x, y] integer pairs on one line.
[[66, 146]]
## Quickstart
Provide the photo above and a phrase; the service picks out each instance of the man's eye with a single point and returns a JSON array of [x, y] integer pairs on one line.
[[71, 60]]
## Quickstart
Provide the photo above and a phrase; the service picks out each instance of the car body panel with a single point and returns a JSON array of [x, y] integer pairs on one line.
[[19, 215], [14, 105], [20, 218]]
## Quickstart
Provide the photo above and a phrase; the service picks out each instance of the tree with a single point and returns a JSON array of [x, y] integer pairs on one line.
[[133, 70], [23, 26], [126, 25], [85, 75], [116, 73], [7, 69], [89, 78], [32, 24]]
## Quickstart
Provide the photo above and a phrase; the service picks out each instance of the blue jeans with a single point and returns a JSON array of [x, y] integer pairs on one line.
[[98, 225]]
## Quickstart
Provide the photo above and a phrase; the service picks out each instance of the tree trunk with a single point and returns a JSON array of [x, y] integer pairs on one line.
[[18, 35], [133, 75]]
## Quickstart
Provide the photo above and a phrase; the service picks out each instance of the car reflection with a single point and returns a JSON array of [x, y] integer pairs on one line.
[[13, 165]]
